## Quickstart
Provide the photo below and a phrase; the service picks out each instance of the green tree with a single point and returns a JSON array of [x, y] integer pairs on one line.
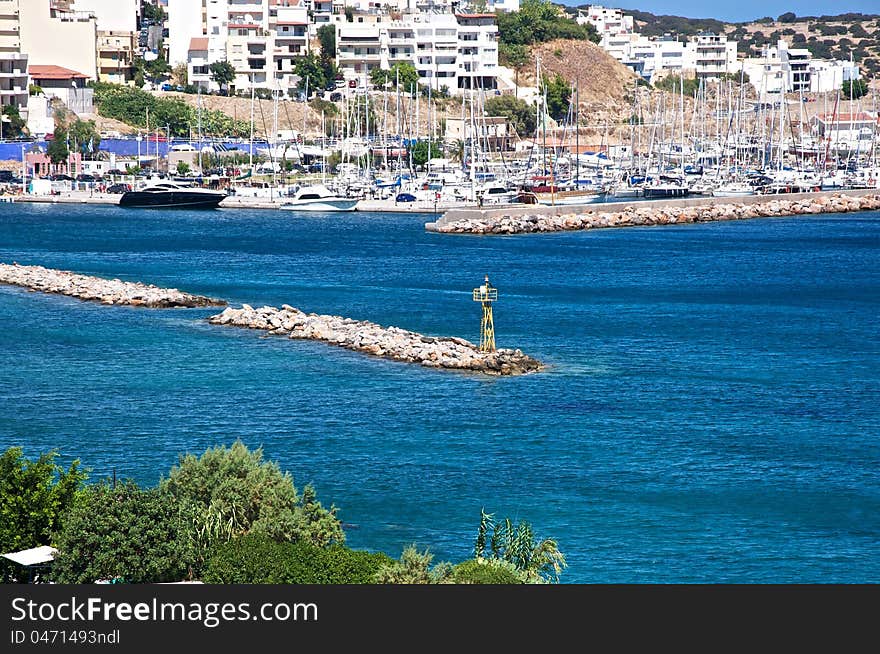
[[539, 21], [327, 39], [57, 149], [153, 12], [182, 168], [310, 72], [422, 151], [156, 69], [120, 531], [538, 560], [34, 495], [513, 55], [854, 89], [402, 75], [414, 567], [228, 492], [222, 72], [519, 113], [673, 84], [14, 125], [84, 136], [558, 96]]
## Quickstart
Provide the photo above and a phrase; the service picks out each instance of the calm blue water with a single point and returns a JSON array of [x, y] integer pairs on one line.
[[710, 413]]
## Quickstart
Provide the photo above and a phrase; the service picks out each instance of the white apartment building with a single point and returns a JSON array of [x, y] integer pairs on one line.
[[710, 55], [781, 69], [51, 35], [13, 62], [455, 51], [260, 38], [111, 15], [185, 22]]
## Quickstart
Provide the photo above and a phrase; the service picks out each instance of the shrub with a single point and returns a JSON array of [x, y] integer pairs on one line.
[[485, 571], [414, 567], [120, 531], [257, 559]]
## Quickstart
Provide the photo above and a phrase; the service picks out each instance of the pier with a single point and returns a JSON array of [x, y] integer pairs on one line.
[[98, 289], [533, 219], [386, 342]]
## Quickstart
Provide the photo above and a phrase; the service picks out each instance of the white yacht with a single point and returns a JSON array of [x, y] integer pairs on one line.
[[319, 198]]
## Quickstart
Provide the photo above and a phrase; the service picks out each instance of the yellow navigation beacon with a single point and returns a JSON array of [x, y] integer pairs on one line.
[[486, 294]]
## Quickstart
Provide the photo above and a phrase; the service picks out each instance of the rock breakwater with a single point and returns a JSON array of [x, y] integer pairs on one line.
[[644, 214], [98, 289], [370, 338]]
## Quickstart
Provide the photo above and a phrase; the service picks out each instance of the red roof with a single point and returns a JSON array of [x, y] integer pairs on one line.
[[290, 22], [198, 43], [846, 118], [475, 15], [54, 72]]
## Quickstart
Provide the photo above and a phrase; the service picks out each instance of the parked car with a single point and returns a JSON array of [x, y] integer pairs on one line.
[[85, 177], [119, 188], [405, 197], [115, 171], [60, 177]]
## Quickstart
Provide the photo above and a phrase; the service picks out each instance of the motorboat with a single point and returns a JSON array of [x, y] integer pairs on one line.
[[733, 190], [172, 195], [319, 198]]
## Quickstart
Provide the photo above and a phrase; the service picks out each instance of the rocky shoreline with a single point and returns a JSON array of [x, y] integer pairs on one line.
[[645, 214], [98, 289], [386, 342]]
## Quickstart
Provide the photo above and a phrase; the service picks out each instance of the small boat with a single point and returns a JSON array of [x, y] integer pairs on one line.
[[665, 190], [172, 195], [319, 198], [733, 190]]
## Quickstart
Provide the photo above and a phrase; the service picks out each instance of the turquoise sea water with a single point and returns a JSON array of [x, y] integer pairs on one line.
[[711, 411]]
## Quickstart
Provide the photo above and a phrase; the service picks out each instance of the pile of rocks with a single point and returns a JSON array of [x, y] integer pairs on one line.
[[370, 338], [644, 214], [97, 289]]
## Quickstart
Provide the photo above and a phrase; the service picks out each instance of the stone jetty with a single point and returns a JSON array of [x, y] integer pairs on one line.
[[97, 289], [370, 338], [648, 213]]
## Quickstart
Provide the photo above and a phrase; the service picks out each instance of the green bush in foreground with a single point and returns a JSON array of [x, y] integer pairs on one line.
[[486, 571], [120, 531], [257, 559]]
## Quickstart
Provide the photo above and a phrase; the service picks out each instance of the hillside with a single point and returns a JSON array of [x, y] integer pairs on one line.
[[604, 84]]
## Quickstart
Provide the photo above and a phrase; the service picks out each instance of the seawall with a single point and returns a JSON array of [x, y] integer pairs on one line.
[[98, 289], [386, 342], [531, 218]]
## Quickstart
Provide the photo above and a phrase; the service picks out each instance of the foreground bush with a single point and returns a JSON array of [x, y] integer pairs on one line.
[[257, 559], [120, 531], [485, 571]]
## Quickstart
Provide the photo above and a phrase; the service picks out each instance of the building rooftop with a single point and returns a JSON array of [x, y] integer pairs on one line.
[[198, 43], [54, 72]]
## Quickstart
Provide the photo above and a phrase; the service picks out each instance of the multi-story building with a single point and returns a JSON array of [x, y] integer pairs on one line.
[[477, 52], [50, 35], [111, 15], [115, 56], [13, 62], [452, 51], [186, 21], [710, 55], [781, 69]]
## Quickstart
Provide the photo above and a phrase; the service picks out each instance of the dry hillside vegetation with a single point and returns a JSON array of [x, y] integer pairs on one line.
[[605, 86]]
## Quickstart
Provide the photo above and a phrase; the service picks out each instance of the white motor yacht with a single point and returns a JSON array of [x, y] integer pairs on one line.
[[319, 198]]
